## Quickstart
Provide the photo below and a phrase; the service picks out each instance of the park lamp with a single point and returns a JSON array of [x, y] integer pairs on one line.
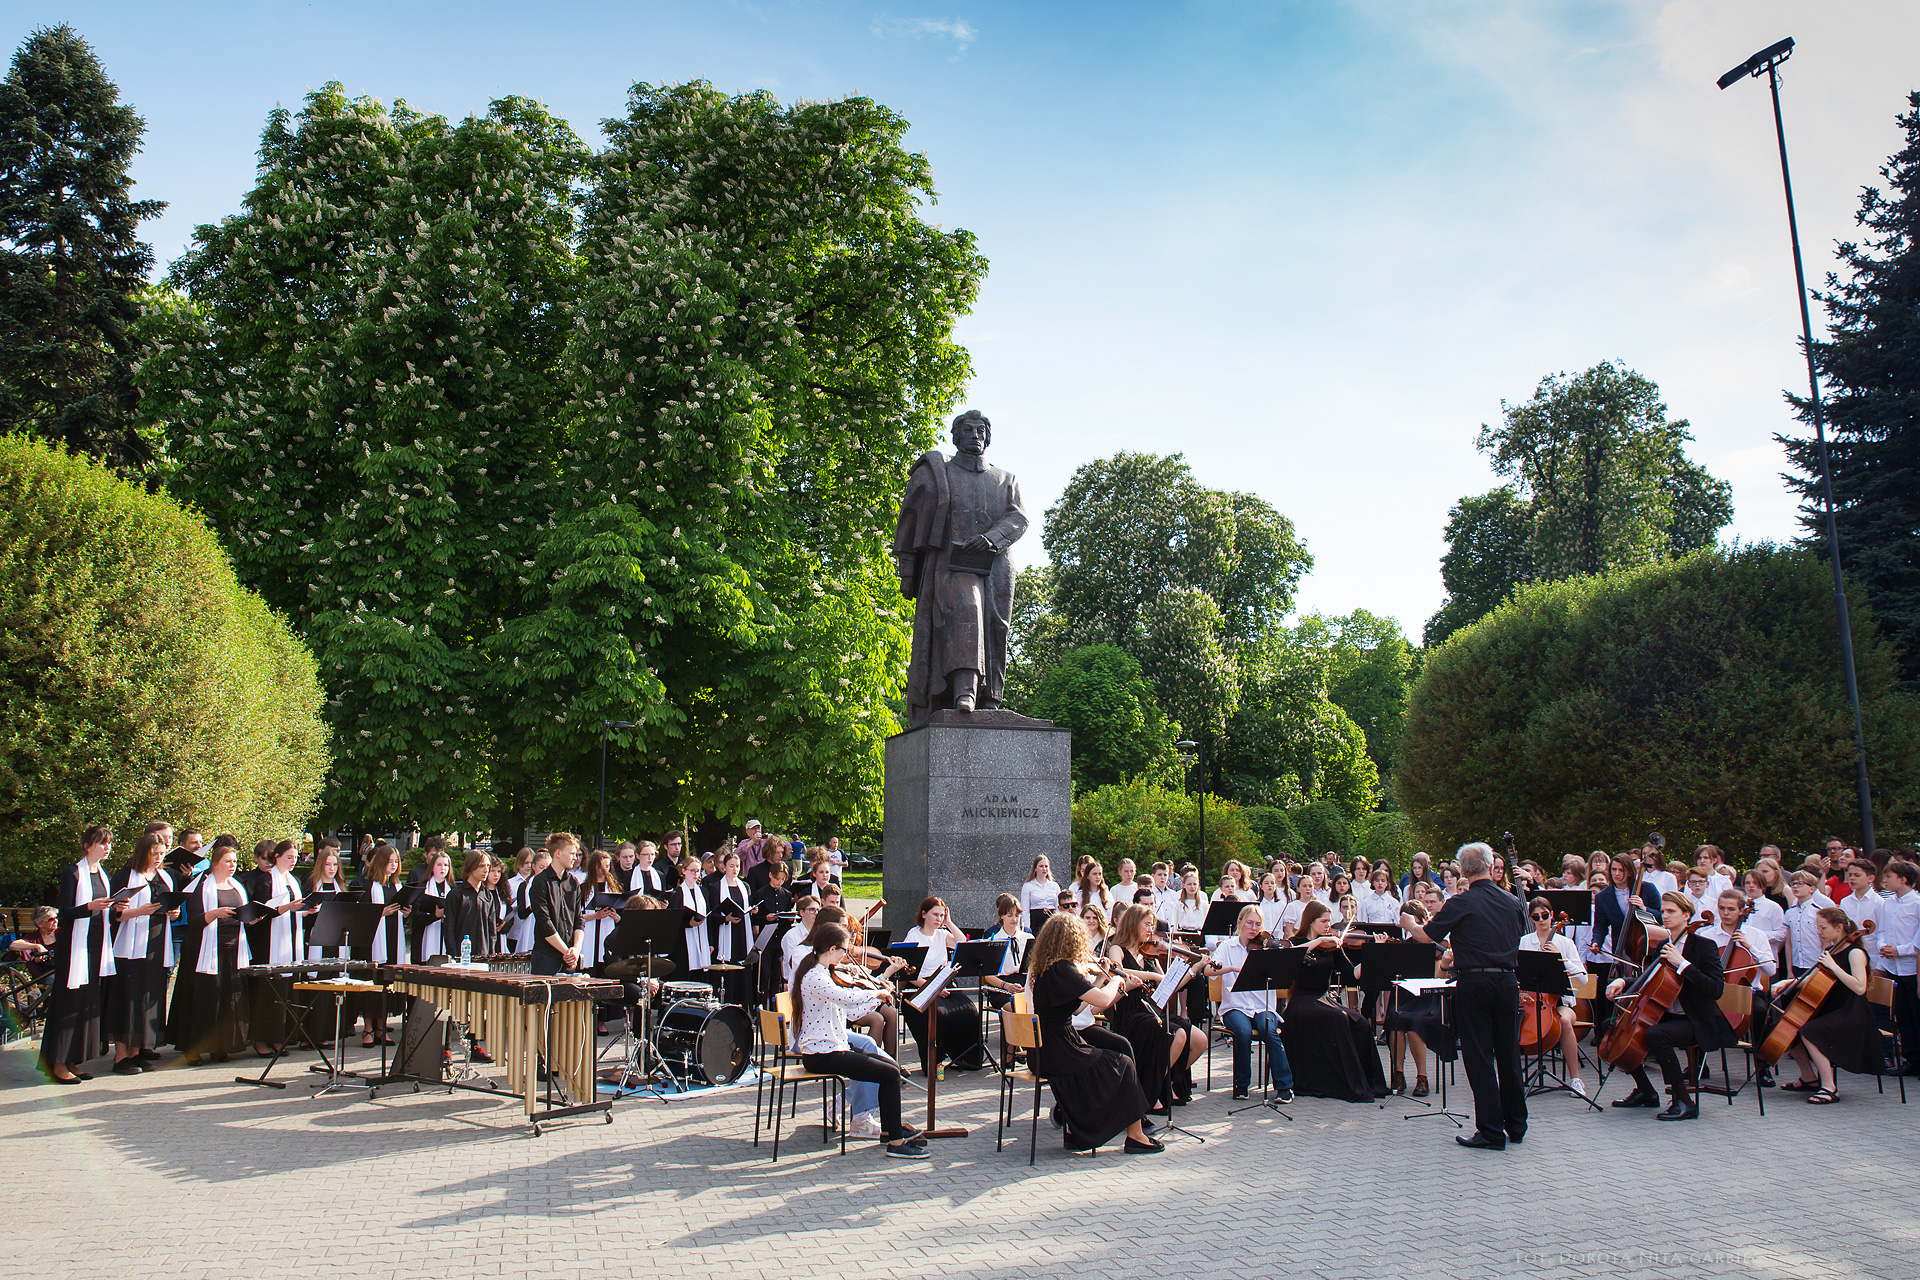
[[604, 726], [1200, 752], [1767, 63]]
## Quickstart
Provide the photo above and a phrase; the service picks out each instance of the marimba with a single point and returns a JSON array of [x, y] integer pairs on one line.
[[522, 1018]]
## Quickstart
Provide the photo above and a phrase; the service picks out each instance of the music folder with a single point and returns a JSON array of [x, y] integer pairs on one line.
[[252, 912]]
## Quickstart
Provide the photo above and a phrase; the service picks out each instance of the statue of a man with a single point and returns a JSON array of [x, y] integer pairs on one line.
[[957, 520]]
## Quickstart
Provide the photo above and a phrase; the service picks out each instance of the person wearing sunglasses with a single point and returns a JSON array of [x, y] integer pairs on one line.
[[1545, 938]]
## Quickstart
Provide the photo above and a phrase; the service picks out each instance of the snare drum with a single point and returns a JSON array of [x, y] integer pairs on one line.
[[707, 1041], [674, 992]]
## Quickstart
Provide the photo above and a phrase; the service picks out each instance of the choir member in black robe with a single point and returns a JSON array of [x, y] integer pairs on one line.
[[82, 956]]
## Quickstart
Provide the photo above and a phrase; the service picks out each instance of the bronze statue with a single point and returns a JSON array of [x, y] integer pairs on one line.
[[957, 520]]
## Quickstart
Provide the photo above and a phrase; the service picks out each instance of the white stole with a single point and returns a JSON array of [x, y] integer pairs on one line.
[[134, 937], [377, 892], [699, 954], [726, 930], [209, 958], [431, 937], [79, 967], [285, 934]]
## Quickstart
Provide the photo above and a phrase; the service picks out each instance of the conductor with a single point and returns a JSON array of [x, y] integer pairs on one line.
[[1485, 923]]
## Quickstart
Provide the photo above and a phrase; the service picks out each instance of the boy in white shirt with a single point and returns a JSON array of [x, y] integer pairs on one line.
[[1803, 936]]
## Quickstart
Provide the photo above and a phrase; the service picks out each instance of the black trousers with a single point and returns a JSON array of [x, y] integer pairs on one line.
[[864, 1066], [1486, 1011], [1906, 1020], [1664, 1038]]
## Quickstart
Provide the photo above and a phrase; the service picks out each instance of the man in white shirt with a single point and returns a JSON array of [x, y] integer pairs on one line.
[[1895, 945], [1804, 937], [1656, 873]]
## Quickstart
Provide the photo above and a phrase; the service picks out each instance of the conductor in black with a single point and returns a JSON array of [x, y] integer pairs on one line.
[[1485, 922]]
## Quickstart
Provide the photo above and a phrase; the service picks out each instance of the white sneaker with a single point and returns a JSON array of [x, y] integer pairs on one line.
[[866, 1124], [1578, 1086]]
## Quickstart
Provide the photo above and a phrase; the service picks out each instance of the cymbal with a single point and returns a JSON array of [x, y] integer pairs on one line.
[[652, 966], [725, 968]]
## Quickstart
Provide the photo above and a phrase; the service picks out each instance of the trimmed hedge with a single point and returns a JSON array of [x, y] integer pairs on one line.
[[1700, 697], [1323, 828], [138, 680], [1278, 837]]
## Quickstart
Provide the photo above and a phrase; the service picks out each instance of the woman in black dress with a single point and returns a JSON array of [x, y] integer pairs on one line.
[[136, 995], [82, 956], [379, 880], [1844, 1033], [1331, 1048], [210, 1002], [1097, 1093], [1163, 1052]]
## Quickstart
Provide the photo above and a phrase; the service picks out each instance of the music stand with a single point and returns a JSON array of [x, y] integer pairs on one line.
[[646, 934], [1445, 991], [1575, 904], [1223, 918], [1545, 974], [1270, 969], [977, 959]]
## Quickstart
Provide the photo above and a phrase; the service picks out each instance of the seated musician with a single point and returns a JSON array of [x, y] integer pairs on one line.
[[882, 1023], [934, 929], [1414, 1022], [1007, 908], [1843, 1032], [1546, 938], [1698, 1020], [1248, 1014], [793, 945], [821, 1008]]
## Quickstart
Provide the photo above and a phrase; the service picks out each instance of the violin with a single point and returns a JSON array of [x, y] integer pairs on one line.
[[856, 929], [1810, 989], [856, 977], [1162, 948]]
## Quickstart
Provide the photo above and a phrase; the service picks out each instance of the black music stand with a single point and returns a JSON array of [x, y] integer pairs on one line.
[[1575, 904], [1270, 969], [979, 959], [648, 934], [1223, 918], [1445, 993], [1545, 974]]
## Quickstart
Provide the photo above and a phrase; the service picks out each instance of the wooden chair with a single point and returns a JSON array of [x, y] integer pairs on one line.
[[780, 1068], [1215, 990], [1880, 991], [1021, 1030]]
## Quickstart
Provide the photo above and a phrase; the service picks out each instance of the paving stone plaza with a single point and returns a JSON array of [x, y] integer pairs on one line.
[[188, 1175]]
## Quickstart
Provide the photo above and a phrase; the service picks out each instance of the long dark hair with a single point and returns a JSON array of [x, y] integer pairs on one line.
[[824, 938]]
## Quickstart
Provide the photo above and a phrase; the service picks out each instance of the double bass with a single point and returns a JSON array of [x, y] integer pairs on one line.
[[1626, 1044], [1812, 989]]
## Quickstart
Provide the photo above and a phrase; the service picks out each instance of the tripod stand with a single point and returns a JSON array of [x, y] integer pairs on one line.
[[1443, 987], [1270, 971], [643, 935], [1545, 975]]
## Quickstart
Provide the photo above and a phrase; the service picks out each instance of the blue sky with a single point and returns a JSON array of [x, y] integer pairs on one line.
[[1310, 245]]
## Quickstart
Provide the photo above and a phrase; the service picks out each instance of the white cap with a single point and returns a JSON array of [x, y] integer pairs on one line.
[[753, 822]]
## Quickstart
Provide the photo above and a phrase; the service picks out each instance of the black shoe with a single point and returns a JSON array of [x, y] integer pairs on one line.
[[1237, 1097], [147, 1055], [1479, 1142], [1639, 1098], [1283, 1097], [1680, 1109], [1516, 1138], [1144, 1148], [128, 1067], [907, 1151]]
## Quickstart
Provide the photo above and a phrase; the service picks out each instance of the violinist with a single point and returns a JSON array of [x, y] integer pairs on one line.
[[1843, 1033], [1330, 1047], [1730, 910], [1698, 1021], [821, 1007], [1545, 938], [1248, 1014], [1163, 1052], [883, 1022], [1007, 909]]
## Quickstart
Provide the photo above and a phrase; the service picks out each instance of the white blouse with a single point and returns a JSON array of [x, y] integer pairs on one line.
[[825, 1008], [1040, 895]]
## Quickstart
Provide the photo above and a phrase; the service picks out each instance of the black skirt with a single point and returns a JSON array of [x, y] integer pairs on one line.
[[136, 1003], [209, 1014], [1097, 1091], [1331, 1051], [73, 1034], [1133, 1017]]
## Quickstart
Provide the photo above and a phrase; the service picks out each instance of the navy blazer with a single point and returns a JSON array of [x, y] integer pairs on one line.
[[1607, 917]]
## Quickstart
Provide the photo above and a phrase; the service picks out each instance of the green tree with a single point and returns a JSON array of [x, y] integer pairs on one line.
[[1369, 668], [1601, 482], [1695, 695], [1129, 528], [765, 347], [362, 385], [1148, 822], [137, 678], [1324, 828], [1388, 836], [1870, 368], [70, 263], [1119, 731], [1275, 831], [1184, 654], [1036, 636]]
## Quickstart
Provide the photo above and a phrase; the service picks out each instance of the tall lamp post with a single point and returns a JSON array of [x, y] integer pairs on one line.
[[604, 726], [1200, 753], [1767, 62]]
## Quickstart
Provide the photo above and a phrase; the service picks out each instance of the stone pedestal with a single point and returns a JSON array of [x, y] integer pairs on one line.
[[971, 800]]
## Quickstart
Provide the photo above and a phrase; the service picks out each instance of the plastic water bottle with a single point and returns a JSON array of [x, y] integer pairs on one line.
[[466, 949]]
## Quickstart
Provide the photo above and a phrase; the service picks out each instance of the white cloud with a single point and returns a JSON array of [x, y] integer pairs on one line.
[[958, 30]]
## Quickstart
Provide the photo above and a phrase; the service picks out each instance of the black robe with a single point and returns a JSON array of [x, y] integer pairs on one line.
[[136, 994], [74, 1031], [471, 913], [209, 1013]]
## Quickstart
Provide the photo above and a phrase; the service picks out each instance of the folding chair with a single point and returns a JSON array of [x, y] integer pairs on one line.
[[784, 1068], [1736, 1004], [1022, 1030], [1880, 991]]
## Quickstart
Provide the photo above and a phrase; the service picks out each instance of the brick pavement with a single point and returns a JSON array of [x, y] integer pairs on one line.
[[183, 1174]]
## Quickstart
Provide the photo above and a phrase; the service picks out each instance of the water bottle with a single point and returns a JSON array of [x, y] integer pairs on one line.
[[466, 949]]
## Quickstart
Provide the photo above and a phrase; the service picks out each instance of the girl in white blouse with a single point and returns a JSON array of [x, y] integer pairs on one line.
[[1039, 894], [1190, 913], [821, 1007]]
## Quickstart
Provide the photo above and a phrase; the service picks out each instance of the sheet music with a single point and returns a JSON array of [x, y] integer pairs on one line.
[[1420, 986], [931, 992], [1176, 974]]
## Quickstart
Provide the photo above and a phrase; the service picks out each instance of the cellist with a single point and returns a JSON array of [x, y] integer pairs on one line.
[[1698, 1021], [1545, 938]]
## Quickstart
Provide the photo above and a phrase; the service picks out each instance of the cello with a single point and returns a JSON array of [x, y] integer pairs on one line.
[[1812, 989], [1540, 1015], [1740, 966], [1626, 1044]]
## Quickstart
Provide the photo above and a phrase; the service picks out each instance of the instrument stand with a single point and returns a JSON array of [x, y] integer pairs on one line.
[[1271, 970], [295, 1014], [647, 934], [1459, 1118]]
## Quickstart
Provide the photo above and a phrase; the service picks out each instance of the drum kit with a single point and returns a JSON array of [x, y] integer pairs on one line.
[[686, 1037]]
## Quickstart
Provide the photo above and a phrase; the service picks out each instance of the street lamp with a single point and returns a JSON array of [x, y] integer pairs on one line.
[[1188, 744], [1767, 62], [604, 726]]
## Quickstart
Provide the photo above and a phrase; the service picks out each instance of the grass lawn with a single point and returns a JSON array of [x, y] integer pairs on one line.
[[864, 885]]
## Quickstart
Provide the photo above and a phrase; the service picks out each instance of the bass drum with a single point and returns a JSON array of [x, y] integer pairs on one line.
[[707, 1042]]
